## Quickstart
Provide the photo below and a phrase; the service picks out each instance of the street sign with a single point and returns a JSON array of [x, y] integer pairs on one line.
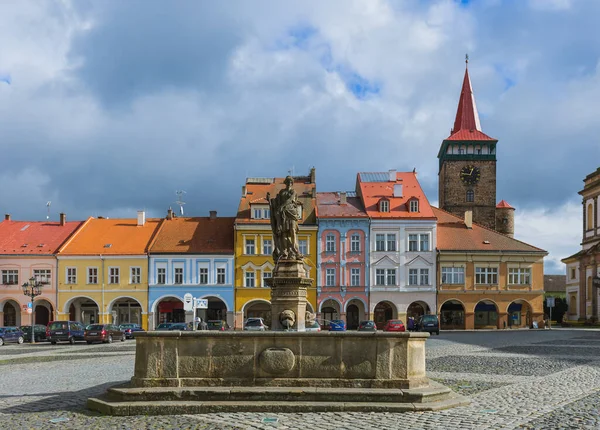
[[29, 310], [550, 302], [188, 302], [201, 304], [29, 305]]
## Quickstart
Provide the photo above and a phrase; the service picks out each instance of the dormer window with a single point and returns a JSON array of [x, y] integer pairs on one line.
[[261, 212], [414, 206], [384, 206]]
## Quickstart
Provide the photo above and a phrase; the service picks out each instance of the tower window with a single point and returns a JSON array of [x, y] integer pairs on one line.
[[470, 195]]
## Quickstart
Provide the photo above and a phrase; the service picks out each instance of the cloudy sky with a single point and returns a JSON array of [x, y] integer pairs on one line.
[[107, 107]]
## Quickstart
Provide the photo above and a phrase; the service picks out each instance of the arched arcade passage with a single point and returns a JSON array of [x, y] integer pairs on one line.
[[452, 315]]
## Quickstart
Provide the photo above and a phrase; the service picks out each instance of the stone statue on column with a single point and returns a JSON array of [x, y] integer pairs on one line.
[[285, 215]]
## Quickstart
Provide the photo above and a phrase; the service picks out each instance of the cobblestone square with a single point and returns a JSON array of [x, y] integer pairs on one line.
[[521, 379]]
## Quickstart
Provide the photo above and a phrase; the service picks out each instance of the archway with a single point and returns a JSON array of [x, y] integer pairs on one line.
[[12, 314], [258, 309], [84, 310], [452, 315], [330, 310], [43, 312], [486, 314], [125, 310], [217, 310], [416, 309], [384, 311], [170, 309], [355, 313], [519, 314]]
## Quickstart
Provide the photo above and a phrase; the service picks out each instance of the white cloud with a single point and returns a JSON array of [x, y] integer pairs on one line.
[[551, 4]]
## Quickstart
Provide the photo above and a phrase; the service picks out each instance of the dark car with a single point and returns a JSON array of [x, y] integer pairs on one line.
[[217, 325], [39, 332], [429, 323], [180, 326], [367, 326], [394, 325], [104, 333], [337, 325], [64, 331], [164, 326], [131, 329], [11, 334]]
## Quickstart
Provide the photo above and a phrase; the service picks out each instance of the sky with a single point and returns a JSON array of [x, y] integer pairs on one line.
[[108, 107]]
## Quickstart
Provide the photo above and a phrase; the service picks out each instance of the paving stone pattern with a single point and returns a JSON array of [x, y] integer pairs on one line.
[[522, 379]]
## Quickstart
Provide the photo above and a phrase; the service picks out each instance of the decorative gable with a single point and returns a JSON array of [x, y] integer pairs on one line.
[[385, 261]]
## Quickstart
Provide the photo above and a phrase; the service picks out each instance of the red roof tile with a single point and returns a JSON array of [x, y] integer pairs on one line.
[[39, 237], [503, 204], [197, 235], [329, 206]]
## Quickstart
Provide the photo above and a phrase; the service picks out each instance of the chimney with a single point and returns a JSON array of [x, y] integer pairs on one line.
[[343, 200], [392, 177], [170, 214], [63, 219], [213, 214], [141, 218], [243, 191], [313, 193], [313, 175], [397, 190], [469, 219], [6, 217]]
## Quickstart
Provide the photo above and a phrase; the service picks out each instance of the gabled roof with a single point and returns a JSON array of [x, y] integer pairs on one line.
[[466, 124], [330, 206], [503, 205], [119, 236], [40, 237], [256, 193], [453, 235], [197, 235], [374, 186], [555, 283]]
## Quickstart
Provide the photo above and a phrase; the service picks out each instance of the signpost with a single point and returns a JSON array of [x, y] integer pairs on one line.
[[550, 304], [188, 302]]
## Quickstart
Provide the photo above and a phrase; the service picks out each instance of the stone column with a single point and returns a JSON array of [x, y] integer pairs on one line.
[[502, 320], [582, 291], [288, 293], [469, 320]]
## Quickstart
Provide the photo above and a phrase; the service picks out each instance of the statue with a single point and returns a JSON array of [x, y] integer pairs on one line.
[[287, 318], [284, 222]]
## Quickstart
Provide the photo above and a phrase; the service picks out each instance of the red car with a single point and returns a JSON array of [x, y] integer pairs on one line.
[[394, 325]]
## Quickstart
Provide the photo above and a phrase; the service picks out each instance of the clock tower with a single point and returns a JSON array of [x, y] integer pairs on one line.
[[467, 171]]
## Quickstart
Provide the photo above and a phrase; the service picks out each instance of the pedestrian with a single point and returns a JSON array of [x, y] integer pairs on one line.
[[411, 324]]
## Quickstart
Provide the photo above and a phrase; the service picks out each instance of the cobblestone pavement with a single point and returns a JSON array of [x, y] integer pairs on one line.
[[515, 379]]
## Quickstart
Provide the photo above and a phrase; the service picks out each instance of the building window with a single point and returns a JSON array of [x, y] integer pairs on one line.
[[355, 277], [424, 277], [249, 246], [573, 273], [453, 275], [220, 275], [203, 275], [470, 195], [384, 206], [179, 275], [424, 242], [11, 277], [303, 246], [113, 275], [92, 275], [413, 276], [266, 275], [42, 275], [391, 277], [330, 243], [414, 206], [391, 242], [461, 150], [261, 213], [250, 279], [478, 151], [380, 242], [590, 217], [161, 275], [486, 275], [71, 275], [380, 276], [330, 277], [267, 247], [520, 276], [413, 242], [136, 275], [355, 243]]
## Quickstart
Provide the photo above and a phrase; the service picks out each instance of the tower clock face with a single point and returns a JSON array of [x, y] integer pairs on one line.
[[470, 174]]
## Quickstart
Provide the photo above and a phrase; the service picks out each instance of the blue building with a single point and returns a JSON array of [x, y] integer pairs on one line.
[[195, 256]]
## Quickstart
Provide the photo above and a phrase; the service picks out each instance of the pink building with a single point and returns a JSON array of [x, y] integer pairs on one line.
[[28, 248]]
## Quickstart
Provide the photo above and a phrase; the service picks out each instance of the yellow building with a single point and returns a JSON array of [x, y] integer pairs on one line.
[[254, 244], [103, 271]]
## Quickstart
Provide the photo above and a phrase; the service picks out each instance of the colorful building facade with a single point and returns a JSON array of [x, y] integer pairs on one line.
[[27, 249], [103, 271], [254, 244], [343, 264], [195, 256]]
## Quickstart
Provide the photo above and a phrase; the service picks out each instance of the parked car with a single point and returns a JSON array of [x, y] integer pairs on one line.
[[65, 331], [367, 326], [164, 326], [39, 332], [104, 333], [428, 323], [131, 329], [394, 325], [11, 334], [217, 325], [337, 325], [252, 324], [313, 327], [180, 326]]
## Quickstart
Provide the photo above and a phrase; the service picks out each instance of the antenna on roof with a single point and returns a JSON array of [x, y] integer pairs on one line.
[[48, 206], [180, 201], [291, 171]]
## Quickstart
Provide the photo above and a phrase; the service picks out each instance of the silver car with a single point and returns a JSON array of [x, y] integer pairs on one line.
[[255, 324]]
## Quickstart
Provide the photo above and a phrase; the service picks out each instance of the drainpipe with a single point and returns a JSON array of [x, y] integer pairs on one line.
[[99, 310], [56, 287]]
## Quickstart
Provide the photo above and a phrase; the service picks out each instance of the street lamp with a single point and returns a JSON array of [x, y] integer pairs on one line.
[[32, 289]]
